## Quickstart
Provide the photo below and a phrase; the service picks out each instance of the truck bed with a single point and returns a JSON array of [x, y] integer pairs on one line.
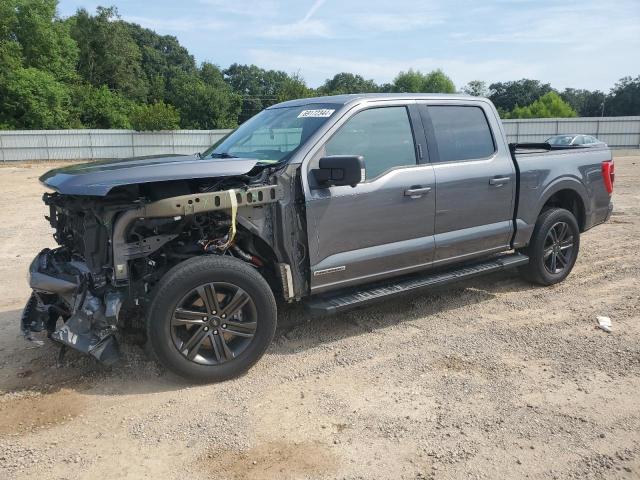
[[539, 172]]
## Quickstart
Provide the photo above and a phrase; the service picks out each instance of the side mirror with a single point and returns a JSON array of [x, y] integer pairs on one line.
[[338, 170]]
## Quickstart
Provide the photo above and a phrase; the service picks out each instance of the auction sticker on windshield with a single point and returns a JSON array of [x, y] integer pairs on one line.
[[319, 113]]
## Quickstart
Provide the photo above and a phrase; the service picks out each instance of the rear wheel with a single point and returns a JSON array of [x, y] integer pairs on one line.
[[553, 249], [211, 318]]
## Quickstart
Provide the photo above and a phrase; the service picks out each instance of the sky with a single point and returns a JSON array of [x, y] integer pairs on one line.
[[581, 44]]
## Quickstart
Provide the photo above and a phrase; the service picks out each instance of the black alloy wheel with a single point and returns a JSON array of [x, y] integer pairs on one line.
[[553, 247], [211, 318], [558, 248], [214, 323]]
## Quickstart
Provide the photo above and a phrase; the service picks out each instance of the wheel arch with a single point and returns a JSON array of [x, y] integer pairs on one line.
[[263, 247], [569, 194]]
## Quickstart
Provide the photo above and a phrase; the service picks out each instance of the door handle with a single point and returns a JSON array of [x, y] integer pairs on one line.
[[416, 192], [499, 181]]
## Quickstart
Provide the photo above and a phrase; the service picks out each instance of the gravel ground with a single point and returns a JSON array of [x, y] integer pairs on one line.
[[492, 378]]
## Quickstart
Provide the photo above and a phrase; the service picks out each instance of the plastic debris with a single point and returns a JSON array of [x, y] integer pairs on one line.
[[604, 323]]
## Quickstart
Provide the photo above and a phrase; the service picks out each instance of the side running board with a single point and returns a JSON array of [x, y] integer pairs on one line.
[[347, 299]]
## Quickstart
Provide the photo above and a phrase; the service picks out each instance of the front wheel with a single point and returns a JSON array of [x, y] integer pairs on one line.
[[211, 318], [553, 248]]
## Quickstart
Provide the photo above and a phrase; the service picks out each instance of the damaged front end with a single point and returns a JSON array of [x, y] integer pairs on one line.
[[63, 288], [114, 249]]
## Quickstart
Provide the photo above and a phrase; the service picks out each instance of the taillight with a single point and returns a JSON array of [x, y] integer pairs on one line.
[[608, 175]]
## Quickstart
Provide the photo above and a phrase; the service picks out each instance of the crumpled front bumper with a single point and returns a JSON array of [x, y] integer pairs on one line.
[[89, 316], [41, 279]]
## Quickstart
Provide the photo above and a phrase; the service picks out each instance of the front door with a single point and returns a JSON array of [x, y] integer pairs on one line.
[[384, 225]]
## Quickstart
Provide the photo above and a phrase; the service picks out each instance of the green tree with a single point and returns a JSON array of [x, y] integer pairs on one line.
[[585, 102], [162, 58], [33, 99], [212, 76], [45, 41], [10, 61], [506, 95], [438, 82], [476, 88], [294, 87], [10, 49], [108, 53], [37, 57], [410, 81], [417, 82], [549, 105], [624, 98], [258, 88], [202, 105], [249, 82], [158, 116], [347, 83], [245, 80], [101, 107]]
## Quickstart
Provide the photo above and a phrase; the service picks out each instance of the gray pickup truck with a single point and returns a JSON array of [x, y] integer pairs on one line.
[[335, 201]]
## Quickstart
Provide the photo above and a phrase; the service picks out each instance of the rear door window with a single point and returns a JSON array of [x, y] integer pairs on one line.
[[461, 132], [383, 136]]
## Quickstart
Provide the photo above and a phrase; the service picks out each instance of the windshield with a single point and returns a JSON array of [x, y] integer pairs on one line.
[[560, 140], [274, 134]]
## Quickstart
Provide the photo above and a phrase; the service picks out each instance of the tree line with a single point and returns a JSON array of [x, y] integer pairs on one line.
[[98, 71]]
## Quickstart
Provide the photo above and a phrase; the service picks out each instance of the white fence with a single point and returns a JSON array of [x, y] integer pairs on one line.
[[19, 145], [618, 132]]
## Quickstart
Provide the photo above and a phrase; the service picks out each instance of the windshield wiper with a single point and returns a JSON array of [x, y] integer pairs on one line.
[[222, 155]]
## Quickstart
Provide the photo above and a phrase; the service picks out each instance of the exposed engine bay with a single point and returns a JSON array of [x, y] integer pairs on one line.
[[114, 249]]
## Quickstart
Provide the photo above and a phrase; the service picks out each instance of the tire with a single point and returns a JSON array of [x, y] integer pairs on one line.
[[546, 246], [210, 348]]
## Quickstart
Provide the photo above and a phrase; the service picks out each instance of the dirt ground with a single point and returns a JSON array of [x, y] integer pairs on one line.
[[492, 378]]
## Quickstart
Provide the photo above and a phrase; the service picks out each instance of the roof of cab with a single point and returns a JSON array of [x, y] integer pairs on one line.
[[354, 97]]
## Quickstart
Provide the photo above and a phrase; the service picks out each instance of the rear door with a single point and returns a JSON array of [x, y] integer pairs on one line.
[[475, 180], [384, 225]]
